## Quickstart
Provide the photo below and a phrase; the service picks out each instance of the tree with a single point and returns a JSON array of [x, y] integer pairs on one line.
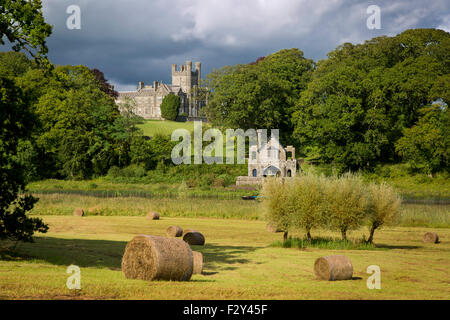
[[16, 122], [306, 192], [81, 129], [363, 96], [427, 143], [259, 95], [346, 203], [384, 203], [277, 207], [170, 106], [22, 23], [105, 85]]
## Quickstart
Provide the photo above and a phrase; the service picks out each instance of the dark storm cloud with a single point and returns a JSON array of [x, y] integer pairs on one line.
[[134, 40]]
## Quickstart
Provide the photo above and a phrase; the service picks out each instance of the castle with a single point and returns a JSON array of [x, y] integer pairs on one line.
[[185, 84]]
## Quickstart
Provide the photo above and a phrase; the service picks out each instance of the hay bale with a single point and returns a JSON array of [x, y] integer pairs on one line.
[[157, 258], [273, 229], [78, 212], [174, 231], [198, 262], [96, 210], [333, 268], [194, 238], [431, 237], [153, 215]]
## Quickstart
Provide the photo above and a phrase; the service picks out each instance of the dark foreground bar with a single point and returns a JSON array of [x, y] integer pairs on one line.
[[232, 309]]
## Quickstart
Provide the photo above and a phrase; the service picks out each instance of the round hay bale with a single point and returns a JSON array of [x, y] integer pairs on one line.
[[174, 231], [272, 229], [157, 258], [153, 215], [198, 262], [96, 210], [78, 212], [431, 237], [194, 238], [333, 268]]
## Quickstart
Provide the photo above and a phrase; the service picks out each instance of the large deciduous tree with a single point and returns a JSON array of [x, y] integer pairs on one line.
[[23, 25], [363, 96], [262, 94]]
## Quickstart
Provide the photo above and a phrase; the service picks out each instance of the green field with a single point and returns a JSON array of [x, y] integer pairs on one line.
[[166, 127], [239, 263]]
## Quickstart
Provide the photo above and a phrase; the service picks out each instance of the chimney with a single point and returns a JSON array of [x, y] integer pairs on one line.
[[141, 85], [155, 85]]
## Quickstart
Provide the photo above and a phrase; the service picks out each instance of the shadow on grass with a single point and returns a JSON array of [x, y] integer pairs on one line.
[[217, 257], [388, 246], [80, 252], [108, 253]]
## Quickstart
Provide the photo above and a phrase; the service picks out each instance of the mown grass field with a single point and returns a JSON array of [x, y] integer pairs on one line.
[[166, 127], [239, 263]]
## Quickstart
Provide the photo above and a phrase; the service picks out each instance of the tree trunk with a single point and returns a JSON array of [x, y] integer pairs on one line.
[[372, 231], [344, 234], [285, 235], [308, 236]]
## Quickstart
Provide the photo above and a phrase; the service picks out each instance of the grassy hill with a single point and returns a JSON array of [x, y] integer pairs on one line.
[[165, 127]]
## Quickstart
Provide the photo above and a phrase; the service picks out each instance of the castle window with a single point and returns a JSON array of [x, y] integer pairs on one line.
[[255, 172], [254, 155]]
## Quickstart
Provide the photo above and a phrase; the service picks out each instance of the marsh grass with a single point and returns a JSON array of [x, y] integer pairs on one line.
[[64, 204], [325, 243], [424, 215]]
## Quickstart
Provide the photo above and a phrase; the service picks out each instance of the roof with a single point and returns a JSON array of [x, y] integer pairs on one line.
[[149, 91]]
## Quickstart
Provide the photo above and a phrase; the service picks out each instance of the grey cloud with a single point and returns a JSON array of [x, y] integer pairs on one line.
[[134, 40]]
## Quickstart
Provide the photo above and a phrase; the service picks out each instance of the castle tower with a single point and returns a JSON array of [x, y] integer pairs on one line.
[[198, 68], [186, 78]]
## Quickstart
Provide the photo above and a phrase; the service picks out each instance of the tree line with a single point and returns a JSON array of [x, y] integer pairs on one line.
[[385, 100]]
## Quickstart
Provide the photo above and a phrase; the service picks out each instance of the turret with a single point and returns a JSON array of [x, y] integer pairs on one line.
[[198, 68]]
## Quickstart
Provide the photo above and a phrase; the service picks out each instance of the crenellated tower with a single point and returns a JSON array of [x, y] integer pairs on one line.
[[186, 77]]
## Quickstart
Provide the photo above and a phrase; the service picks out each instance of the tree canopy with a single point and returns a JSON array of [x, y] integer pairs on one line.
[[259, 95], [170, 106], [362, 97]]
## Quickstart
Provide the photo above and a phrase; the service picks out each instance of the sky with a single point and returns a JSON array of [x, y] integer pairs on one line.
[[138, 40]]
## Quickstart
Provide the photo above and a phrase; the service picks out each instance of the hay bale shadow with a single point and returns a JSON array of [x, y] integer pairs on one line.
[[388, 246]]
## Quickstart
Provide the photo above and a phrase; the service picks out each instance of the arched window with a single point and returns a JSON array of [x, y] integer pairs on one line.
[[289, 173], [255, 172]]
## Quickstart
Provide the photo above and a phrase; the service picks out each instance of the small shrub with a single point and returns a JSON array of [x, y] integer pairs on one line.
[[114, 172], [133, 171], [219, 182]]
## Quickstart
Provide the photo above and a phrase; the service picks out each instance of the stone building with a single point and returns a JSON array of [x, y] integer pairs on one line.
[[269, 159], [185, 84]]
